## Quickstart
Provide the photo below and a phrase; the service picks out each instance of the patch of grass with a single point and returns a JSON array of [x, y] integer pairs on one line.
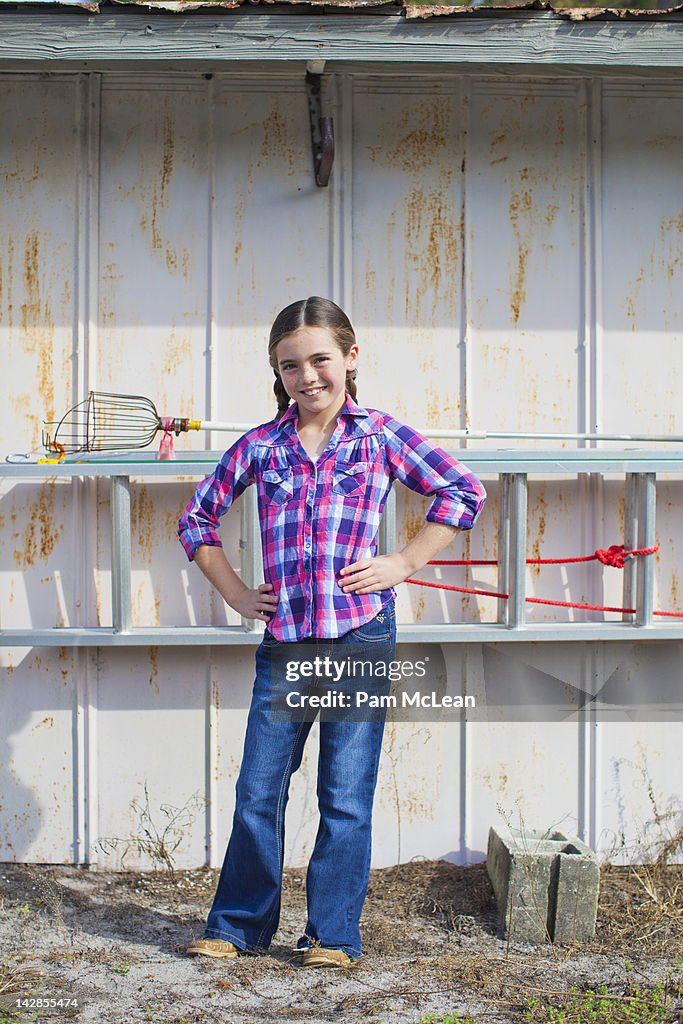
[[15, 981], [640, 1004]]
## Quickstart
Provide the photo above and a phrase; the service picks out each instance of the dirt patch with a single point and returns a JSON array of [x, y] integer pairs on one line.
[[115, 943]]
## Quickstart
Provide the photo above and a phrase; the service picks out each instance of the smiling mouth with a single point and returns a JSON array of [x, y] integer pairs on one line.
[[310, 392]]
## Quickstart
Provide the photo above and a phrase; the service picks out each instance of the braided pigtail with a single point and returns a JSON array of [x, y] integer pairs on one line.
[[351, 383], [281, 395]]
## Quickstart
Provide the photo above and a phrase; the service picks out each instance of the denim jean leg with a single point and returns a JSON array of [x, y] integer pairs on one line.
[[246, 907], [339, 869]]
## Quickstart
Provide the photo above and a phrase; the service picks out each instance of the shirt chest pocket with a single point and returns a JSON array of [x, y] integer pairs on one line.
[[278, 485], [349, 478]]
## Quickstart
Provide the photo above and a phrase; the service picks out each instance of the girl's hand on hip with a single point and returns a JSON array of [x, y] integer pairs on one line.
[[372, 574], [256, 604]]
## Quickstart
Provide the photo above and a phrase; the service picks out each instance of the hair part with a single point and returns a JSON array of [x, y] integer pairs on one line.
[[311, 312]]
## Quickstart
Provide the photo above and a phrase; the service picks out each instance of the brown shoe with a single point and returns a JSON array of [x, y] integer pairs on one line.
[[320, 956], [218, 948]]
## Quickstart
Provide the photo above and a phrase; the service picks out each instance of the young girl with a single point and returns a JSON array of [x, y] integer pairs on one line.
[[322, 468]]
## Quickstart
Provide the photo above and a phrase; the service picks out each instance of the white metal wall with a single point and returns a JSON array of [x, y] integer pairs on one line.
[[510, 253]]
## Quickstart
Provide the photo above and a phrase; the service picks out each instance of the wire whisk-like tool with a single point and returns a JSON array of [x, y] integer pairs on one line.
[[109, 423]]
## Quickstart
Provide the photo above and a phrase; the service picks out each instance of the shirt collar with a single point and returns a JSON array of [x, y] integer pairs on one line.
[[291, 414]]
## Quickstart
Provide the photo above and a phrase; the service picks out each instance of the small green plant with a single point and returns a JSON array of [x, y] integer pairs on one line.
[[122, 969], [639, 1005]]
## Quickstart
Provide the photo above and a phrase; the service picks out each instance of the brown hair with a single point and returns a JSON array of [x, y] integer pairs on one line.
[[311, 312]]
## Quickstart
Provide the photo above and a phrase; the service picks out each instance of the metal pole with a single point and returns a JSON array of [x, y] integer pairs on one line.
[[386, 541], [631, 505], [120, 554], [250, 547], [517, 561], [504, 545], [646, 539]]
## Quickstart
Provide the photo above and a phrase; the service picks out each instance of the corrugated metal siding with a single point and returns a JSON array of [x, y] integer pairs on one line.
[[509, 253]]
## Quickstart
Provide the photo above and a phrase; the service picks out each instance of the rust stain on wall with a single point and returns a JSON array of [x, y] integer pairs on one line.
[[154, 669], [411, 525], [519, 210], [160, 193], [48, 722], [176, 352], [171, 259], [440, 408], [10, 281], [536, 546], [64, 658], [671, 230], [37, 326], [167, 159], [143, 519], [419, 147], [431, 249], [275, 145], [41, 530]]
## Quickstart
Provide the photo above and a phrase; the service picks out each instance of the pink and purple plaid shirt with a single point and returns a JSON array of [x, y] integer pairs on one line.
[[318, 517]]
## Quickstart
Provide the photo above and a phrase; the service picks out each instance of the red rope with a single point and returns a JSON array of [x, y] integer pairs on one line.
[[460, 590], [614, 556]]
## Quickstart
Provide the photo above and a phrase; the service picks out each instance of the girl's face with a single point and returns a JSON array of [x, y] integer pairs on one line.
[[313, 370]]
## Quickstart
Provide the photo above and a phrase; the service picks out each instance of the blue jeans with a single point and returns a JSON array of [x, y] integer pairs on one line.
[[246, 907]]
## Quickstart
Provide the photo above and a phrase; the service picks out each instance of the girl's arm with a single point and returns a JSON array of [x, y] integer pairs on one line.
[[384, 571], [457, 499], [252, 604]]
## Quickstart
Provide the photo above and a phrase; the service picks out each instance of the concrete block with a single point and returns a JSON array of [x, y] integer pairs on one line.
[[546, 885]]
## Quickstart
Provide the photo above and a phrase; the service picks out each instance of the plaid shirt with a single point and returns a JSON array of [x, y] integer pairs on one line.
[[317, 518]]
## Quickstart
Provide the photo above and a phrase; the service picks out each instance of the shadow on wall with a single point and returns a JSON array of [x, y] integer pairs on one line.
[[23, 750]]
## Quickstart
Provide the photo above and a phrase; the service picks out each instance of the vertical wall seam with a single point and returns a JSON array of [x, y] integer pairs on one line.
[[77, 486], [587, 262], [595, 140], [586, 412], [83, 491], [597, 653], [341, 206], [464, 788], [211, 717], [212, 726], [212, 268], [465, 342], [596, 492]]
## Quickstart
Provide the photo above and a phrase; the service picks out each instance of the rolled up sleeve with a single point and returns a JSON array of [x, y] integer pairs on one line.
[[458, 496], [199, 522]]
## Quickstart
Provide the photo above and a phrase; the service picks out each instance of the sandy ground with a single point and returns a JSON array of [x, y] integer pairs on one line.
[[114, 942]]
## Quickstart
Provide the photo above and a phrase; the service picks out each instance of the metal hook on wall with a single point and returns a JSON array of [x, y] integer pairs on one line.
[[322, 128]]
